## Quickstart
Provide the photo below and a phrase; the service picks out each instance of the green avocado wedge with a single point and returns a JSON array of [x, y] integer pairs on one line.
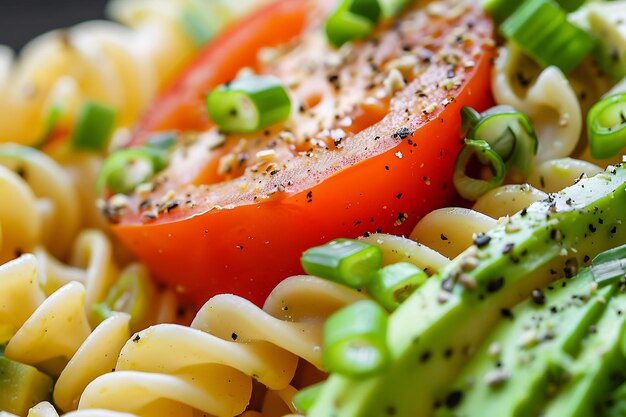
[[432, 335], [22, 386], [558, 355]]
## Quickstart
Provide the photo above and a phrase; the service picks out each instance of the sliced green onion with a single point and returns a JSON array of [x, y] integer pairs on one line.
[[249, 104], [617, 406], [541, 29], [93, 126], [125, 169], [500, 10], [352, 19], [469, 119], [615, 254], [606, 126], [472, 188], [346, 261], [394, 283], [507, 131], [610, 266], [306, 397], [53, 116], [198, 22], [130, 294], [392, 7], [355, 340], [161, 140], [570, 5]]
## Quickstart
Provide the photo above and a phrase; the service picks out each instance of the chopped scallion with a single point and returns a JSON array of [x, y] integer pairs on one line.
[[53, 116], [394, 283], [614, 254], [306, 397], [469, 119], [500, 10], [352, 19], [507, 131], [130, 294], [393, 7], [125, 169], [609, 266], [541, 29], [249, 104], [472, 188], [606, 126], [346, 261], [93, 126], [161, 140], [355, 340], [198, 22], [570, 5]]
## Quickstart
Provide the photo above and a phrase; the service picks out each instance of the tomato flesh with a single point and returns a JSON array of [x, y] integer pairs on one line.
[[181, 106], [242, 236]]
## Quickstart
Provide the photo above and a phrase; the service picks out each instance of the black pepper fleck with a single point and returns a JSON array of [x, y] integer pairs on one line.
[[454, 398], [538, 296], [571, 267], [495, 284], [506, 313], [481, 240], [402, 133]]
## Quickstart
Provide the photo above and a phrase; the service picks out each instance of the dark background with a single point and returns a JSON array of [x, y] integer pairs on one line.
[[22, 20]]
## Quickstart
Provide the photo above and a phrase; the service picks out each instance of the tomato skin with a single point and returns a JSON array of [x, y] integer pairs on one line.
[[181, 106], [249, 249]]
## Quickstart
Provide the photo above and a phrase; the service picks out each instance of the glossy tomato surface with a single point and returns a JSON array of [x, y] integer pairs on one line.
[[181, 106], [363, 152]]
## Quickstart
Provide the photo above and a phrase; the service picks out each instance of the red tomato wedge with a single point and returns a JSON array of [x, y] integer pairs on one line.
[[181, 106], [370, 146]]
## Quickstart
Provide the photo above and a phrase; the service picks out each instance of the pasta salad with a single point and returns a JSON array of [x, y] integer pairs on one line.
[[344, 208]]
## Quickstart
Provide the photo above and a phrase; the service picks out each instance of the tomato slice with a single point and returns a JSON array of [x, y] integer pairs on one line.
[[181, 106], [362, 152]]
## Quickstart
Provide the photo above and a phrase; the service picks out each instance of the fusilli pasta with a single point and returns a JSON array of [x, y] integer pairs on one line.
[[235, 359], [120, 65]]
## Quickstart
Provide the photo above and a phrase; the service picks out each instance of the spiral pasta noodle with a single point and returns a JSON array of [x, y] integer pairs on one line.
[[235, 359], [121, 65], [46, 315], [54, 333], [211, 365]]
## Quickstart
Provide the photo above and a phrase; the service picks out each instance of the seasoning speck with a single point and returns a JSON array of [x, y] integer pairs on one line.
[[454, 398], [481, 240], [538, 296], [495, 284], [402, 133]]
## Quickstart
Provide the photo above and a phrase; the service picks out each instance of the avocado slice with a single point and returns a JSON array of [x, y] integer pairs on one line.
[[615, 403], [22, 386], [433, 334], [599, 368], [557, 357]]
